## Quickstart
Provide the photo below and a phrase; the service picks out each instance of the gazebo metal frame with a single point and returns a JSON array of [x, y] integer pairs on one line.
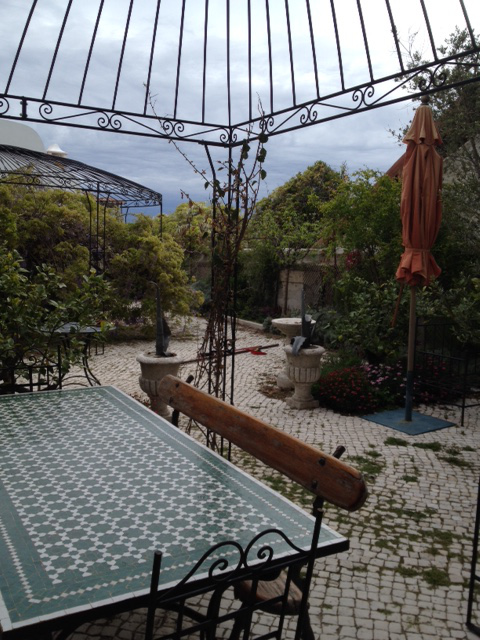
[[42, 170], [167, 117], [48, 104]]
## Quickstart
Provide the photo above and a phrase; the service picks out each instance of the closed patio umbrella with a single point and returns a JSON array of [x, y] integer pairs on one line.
[[421, 213]]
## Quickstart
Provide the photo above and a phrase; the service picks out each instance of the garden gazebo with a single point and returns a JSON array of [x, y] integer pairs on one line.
[[42, 170]]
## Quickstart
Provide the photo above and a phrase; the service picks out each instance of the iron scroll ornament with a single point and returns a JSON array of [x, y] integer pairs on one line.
[[251, 560], [34, 369], [214, 575], [4, 105], [363, 97]]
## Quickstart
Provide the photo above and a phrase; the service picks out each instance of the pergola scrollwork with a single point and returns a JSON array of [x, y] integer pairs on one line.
[[296, 46]]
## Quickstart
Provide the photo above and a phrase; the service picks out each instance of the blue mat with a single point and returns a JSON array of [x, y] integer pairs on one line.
[[420, 424]]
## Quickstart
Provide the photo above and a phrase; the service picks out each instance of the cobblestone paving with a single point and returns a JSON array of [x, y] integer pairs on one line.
[[406, 574]]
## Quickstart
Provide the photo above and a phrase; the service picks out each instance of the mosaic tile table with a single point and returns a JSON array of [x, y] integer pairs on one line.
[[91, 483]]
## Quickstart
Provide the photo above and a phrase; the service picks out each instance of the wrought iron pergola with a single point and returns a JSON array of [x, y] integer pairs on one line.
[[195, 71], [42, 170]]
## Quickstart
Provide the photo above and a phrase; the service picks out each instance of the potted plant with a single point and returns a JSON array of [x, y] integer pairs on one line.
[[157, 364]]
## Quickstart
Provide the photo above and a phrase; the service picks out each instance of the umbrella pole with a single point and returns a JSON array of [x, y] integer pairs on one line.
[[410, 356]]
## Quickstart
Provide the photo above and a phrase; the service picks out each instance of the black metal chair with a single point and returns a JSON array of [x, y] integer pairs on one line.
[[265, 597], [293, 587], [33, 370], [226, 567]]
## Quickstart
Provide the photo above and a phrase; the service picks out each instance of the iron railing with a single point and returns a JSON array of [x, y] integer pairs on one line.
[[446, 366]]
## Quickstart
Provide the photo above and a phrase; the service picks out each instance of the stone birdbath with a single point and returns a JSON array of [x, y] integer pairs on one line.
[[303, 364], [290, 327], [155, 365], [303, 370]]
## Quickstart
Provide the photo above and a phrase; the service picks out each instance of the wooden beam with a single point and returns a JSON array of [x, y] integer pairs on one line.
[[320, 473]]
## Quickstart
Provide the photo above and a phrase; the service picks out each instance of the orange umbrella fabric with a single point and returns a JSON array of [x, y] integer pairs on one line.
[[421, 212], [421, 207]]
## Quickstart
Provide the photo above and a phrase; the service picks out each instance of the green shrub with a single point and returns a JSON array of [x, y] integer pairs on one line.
[[34, 306], [362, 323]]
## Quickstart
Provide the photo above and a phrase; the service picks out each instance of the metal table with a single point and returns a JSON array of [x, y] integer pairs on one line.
[[91, 483]]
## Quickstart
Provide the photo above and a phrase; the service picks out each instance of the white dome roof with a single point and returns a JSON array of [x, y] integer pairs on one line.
[[20, 135]]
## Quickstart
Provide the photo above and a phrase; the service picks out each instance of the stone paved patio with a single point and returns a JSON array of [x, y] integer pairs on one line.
[[406, 574]]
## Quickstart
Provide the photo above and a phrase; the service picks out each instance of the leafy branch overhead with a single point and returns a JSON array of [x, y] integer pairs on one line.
[[456, 111]]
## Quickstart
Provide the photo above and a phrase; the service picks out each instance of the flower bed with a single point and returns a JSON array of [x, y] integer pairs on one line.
[[365, 388]]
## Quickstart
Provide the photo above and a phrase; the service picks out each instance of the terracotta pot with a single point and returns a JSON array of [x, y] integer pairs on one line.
[[303, 370], [153, 369]]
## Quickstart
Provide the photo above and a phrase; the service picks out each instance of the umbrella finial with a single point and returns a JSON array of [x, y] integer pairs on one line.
[[425, 99]]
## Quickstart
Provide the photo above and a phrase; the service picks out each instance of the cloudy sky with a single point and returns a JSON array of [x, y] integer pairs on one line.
[[361, 140]]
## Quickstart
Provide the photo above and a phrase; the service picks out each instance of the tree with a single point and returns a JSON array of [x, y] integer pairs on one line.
[[33, 306], [361, 231], [191, 227], [363, 221], [286, 238], [304, 192], [258, 275], [456, 112], [52, 227], [288, 223], [142, 258]]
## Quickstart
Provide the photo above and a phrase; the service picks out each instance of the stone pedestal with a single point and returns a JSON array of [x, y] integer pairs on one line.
[[153, 369], [303, 370], [290, 327]]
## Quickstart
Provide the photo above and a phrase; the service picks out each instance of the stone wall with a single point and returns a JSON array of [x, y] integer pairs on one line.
[[314, 278]]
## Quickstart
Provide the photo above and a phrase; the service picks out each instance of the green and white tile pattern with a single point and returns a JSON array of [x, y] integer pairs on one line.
[[92, 482]]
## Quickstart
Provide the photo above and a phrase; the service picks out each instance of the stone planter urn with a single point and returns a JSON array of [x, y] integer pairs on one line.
[[290, 327], [303, 369], [153, 369]]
